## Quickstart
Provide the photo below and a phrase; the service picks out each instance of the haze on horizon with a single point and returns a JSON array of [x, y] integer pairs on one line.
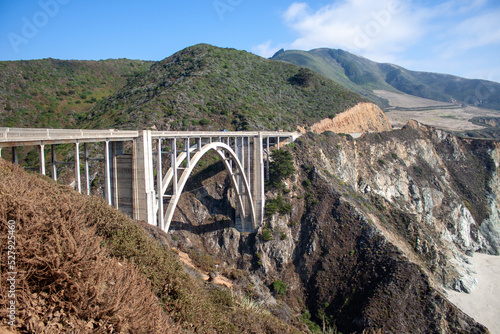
[[459, 37]]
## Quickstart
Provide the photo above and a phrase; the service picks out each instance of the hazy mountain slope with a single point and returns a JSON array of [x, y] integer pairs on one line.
[[348, 70], [208, 87], [330, 63], [56, 93]]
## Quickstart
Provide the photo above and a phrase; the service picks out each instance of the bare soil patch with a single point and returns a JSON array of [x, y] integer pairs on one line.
[[442, 115], [409, 101]]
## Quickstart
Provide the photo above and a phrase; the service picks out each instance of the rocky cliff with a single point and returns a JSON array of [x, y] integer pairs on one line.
[[376, 228], [364, 117], [437, 192]]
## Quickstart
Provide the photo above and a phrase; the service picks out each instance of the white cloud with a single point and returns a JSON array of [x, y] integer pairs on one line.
[[455, 7], [265, 49], [475, 32], [361, 26], [437, 36], [297, 9]]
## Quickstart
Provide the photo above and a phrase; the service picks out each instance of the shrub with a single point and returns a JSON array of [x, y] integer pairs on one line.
[[303, 77], [68, 269], [285, 208], [98, 268], [279, 287], [267, 234], [272, 206], [277, 205], [280, 167]]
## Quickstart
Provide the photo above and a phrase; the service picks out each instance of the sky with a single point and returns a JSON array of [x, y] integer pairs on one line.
[[459, 37]]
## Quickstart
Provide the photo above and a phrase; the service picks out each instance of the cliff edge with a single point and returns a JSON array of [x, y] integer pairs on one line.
[[364, 117]]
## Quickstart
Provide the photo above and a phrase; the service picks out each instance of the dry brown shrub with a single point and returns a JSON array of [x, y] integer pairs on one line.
[[72, 281], [66, 280]]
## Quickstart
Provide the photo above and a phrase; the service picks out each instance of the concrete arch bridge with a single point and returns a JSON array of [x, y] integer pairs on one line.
[[147, 182]]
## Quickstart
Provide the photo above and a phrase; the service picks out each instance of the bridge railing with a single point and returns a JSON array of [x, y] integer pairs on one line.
[[13, 135]]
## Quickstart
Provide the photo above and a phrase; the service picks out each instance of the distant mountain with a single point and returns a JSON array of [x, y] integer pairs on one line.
[[364, 76], [59, 93], [206, 87]]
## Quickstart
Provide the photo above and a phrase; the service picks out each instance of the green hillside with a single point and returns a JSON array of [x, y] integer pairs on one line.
[[58, 93], [363, 76], [206, 87]]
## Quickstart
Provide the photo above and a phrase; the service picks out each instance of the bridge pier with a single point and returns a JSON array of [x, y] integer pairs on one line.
[[143, 188], [258, 179], [54, 163]]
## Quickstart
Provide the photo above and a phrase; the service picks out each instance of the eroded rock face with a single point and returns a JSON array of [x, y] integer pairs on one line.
[[364, 117], [381, 225], [443, 191]]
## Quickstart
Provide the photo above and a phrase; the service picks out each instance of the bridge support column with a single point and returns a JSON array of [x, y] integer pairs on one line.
[[143, 188], [267, 159], [14, 155], [86, 164], [258, 179], [78, 180], [159, 182], [54, 162], [42, 159], [107, 172], [243, 223]]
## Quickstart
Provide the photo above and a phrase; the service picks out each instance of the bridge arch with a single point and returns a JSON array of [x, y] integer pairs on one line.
[[246, 207]]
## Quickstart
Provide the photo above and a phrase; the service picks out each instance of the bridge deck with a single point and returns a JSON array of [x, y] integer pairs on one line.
[[10, 137], [129, 178]]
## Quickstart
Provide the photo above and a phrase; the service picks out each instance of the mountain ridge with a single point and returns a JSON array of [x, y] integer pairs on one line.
[[224, 88], [363, 76]]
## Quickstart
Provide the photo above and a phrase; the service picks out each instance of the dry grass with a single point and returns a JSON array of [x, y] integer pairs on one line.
[[67, 282], [87, 268]]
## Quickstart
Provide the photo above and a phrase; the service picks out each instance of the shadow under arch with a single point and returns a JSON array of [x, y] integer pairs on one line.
[[227, 155]]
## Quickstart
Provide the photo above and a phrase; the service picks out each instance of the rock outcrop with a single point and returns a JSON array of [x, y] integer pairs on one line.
[[377, 227], [364, 117]]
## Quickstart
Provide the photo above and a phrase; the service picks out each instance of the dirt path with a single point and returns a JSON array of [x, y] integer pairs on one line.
[[483, 304]]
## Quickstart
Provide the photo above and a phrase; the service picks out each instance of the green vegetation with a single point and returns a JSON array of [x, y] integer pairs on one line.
[[280, 167], [279, 287], [232, 89], [267, 235], [59, 93], [277, 205], [303, 78]]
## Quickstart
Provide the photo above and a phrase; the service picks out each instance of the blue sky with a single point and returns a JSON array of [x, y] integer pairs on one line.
[[460, 37]]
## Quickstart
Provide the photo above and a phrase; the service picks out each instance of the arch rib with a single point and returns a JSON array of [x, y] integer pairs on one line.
[[220, 149]]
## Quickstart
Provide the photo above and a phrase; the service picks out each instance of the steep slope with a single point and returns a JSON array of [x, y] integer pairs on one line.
[[83, 267], [364, 117], [366, 233], [363, 76], [58, 93], [205, 87]]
